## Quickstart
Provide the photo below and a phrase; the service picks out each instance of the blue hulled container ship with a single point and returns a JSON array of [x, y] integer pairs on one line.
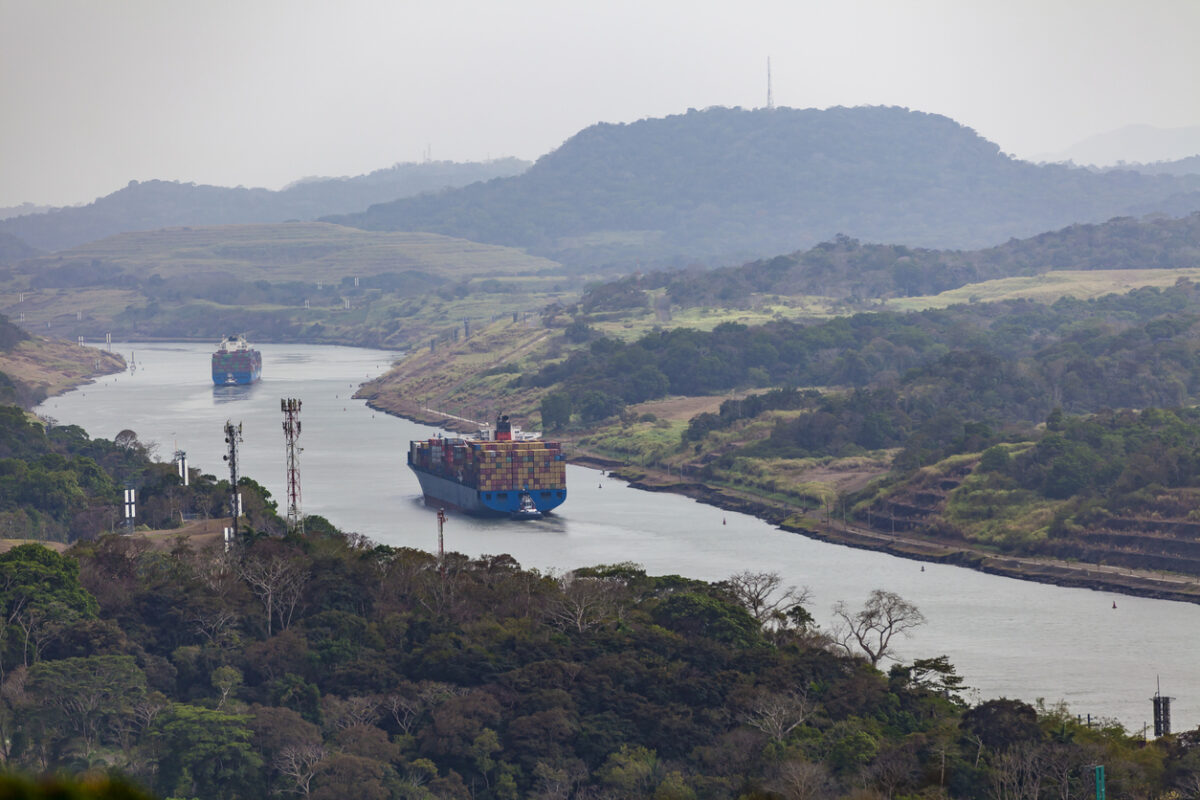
[[236, 363], [499, 473]]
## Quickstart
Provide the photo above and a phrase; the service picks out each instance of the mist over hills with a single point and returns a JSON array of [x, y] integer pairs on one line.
[[1133, 144], [1182, 166], [149, 205], [13, 249], [725, 185], [847, 268]]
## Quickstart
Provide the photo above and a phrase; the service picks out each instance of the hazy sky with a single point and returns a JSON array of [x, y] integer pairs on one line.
[[259, 93]]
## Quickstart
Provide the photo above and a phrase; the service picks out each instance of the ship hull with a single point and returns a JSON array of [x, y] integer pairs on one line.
[[237, 377], [448, 493]]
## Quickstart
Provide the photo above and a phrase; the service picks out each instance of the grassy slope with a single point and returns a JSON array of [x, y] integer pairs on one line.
[[1048, 287], [303, 251], [57, 366]]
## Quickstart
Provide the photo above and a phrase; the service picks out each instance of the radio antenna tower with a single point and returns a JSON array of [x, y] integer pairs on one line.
[[770, 99], [291, 432], [233, 437]]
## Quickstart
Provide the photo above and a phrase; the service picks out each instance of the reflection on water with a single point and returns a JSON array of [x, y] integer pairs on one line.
[[1008, 638], [234, 394]]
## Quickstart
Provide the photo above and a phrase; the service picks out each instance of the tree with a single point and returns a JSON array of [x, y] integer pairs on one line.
[[277, 579], [556, 410], [203, 753], [583, 603], [126, 440], [225, 680], [873, 627], [298, 763], [39, 594], [779, 713], [760, 593], [798, 779], [935, 675], [82, 696]]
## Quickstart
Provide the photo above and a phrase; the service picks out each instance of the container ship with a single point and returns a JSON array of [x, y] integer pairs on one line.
[[501, 472], [236, 363]]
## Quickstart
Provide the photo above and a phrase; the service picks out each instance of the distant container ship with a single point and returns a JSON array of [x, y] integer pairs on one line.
[[236, 363], [499, 473]]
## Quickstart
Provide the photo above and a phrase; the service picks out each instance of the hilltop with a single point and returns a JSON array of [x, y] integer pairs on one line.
[[154, 204], [727, 185]]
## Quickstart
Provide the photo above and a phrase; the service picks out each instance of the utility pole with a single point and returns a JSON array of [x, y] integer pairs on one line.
[[441, 518]]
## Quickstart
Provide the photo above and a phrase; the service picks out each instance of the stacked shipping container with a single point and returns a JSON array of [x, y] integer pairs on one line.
[[491, 466]]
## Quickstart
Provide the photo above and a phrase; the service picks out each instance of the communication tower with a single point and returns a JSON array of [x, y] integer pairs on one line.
[[291, 433], [1162, 712], [233, 437], [770, 98]]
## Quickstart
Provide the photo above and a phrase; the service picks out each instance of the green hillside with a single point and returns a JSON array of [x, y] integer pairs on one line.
[[856, 273], [287, 282]]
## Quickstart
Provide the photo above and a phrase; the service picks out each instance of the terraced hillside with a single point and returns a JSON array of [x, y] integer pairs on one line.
[[945, 503]]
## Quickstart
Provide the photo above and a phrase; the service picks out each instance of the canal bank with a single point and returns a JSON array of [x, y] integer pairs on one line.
[[1097, 577]]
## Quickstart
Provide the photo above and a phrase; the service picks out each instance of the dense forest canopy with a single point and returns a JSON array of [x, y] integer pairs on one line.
[[722, 184], [995, 362], [847, 268]]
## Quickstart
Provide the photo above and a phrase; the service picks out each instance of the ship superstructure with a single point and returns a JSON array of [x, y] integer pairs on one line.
[[235, 362]]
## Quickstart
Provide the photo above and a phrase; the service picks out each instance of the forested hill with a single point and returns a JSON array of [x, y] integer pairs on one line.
[[846, 267], [723, 185], [158, 204], [13, 249]]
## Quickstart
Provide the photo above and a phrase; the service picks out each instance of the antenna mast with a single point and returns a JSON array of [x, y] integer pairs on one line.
[[291, 432], [770, 99], [233, 437]]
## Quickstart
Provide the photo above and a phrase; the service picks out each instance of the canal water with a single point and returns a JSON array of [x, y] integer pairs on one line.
[[1007, 638]]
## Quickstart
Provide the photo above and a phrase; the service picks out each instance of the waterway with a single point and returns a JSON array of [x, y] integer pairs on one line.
[[1008, 638]]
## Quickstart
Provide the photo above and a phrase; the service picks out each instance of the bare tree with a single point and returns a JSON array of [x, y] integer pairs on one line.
[[779, 713], [408, 706], [798, 779], [277, 580], [299, 763], [891, 769], [357, 710], [584, 603], [1017, 773], [215, 623], [763, 595], [873, 627]]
